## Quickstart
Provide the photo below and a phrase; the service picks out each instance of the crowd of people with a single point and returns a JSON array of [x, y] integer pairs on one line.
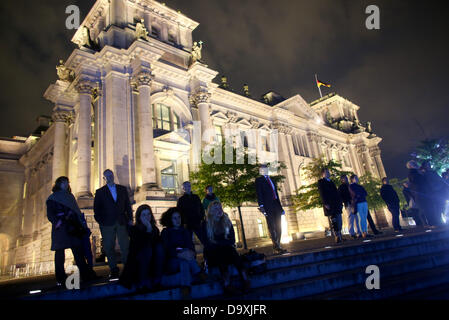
[[149, 254], [426, 194]]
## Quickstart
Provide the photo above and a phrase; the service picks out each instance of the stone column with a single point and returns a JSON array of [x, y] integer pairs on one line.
[[312, 138], [367, 158], [201, 100], [375, 153], [84, 139], [59, 155], [145, 122]]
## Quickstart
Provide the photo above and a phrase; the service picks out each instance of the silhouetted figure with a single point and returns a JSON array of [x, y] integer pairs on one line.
[[353, 221], [219, 248], [332, 203], [114, 214], [192, 210], [436, 189], [209, 198], [67, 230], [391, 199], [270, 206], [417, 183], [145, 262], [179, 250]]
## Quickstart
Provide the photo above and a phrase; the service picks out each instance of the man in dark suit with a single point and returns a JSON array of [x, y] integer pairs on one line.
[[270, 206], [392, 201], [114, 214], [192, 210], [332, 203]]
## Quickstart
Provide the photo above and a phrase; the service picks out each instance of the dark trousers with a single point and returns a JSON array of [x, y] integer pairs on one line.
[[395, 214], [198, 232], [150, 264], [80, 261], [371, 223], [274, 223], [109, 234], [335, 223], [87, 249], [420, 219]]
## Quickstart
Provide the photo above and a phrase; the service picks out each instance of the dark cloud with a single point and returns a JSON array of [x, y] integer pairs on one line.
[[397, 75]]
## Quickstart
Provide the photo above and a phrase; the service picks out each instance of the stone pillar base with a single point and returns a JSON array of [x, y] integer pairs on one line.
[[147, 191], [85, 202]]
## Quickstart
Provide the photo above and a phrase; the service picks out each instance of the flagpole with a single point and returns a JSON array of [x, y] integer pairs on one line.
[[316, 79]]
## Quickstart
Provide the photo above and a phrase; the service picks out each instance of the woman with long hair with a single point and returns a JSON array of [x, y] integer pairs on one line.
[[180, 250], [219, 248], [67, 230], [144, 264]]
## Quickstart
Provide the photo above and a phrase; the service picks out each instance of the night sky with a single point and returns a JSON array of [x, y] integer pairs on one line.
[[398, 75]]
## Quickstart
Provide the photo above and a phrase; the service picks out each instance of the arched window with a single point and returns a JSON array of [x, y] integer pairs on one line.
[[164, 118]]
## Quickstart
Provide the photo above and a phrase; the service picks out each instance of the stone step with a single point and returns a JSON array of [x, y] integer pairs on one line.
[[289, 268], [312, 287]]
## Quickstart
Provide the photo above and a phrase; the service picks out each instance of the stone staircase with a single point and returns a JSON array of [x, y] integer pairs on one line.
[[413, 265]]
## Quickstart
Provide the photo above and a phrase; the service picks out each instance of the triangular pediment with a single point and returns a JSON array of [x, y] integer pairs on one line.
[[219, 115], [243, 122], [299, 107], [177, 137]]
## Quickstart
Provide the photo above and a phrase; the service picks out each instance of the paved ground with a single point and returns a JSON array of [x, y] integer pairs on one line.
[[16, 288]]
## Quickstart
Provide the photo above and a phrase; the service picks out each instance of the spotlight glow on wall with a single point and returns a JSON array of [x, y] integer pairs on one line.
[[285, 238]]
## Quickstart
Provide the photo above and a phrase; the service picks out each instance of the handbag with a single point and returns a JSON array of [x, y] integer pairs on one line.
[[75, 227]]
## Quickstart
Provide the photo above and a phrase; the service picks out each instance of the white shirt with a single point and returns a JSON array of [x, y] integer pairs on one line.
[[113, 190]]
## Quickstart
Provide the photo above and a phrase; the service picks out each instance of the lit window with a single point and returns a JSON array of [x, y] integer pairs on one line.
[[162, 118], [169, 176], [265, 146], [261, 229], [244, 139], [218, 134], [236, 230]]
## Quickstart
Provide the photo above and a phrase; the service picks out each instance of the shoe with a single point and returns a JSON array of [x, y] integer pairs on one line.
[[377, 232], [231, 290], [279, 250], [115, 274], [337, 240], [354, 236], [246, 285]]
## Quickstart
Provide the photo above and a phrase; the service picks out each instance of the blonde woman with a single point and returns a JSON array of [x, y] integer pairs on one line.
[[219, 248]]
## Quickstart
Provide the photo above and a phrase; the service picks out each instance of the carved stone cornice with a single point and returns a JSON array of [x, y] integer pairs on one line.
[[281, 128], [232, 117], [374, 152], [255, 124]]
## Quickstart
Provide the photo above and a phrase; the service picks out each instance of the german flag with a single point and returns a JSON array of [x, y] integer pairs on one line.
[[319, 84]]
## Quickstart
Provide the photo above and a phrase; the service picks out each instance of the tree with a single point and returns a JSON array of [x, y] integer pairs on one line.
[[308, 197], [233, 183], [372, 186], [436, 151]]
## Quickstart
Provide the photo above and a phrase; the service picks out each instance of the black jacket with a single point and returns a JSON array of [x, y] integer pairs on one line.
[[191, 209], [389, 195], [345, 195], [330, 196], [265, 196], [60, 237], [107, 212]]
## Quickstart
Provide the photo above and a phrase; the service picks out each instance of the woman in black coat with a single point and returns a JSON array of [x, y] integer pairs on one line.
[[144, 264], [66, 232]]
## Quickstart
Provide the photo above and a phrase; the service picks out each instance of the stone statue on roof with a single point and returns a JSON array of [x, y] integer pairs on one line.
[[141, 31], [196, 51], [86, 41], [64, 73]]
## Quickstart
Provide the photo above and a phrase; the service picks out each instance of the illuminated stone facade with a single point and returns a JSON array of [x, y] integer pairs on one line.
[[129, 105]]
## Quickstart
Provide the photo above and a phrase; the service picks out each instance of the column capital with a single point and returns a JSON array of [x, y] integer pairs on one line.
[[85, 87], [60, 116], [143, 78], [200, 96]]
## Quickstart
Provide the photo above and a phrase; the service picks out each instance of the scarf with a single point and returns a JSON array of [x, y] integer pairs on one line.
[[66, 199]]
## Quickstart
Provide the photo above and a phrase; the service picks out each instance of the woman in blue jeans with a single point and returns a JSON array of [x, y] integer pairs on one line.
[[179, 250], [359, 203]]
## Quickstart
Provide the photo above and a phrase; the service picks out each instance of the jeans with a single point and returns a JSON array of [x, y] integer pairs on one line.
[[354, 223], [362, 211], [335, 223], [186, 268], [109, 234]]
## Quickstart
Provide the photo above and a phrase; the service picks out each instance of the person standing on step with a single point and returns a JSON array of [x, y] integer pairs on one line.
[[417, 183], [114, 214], [353, 220], [391, 199], [210, 197], [332, 203], [192, 210], [359, 203], [67, 231], [436, 189], [270, 206]]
